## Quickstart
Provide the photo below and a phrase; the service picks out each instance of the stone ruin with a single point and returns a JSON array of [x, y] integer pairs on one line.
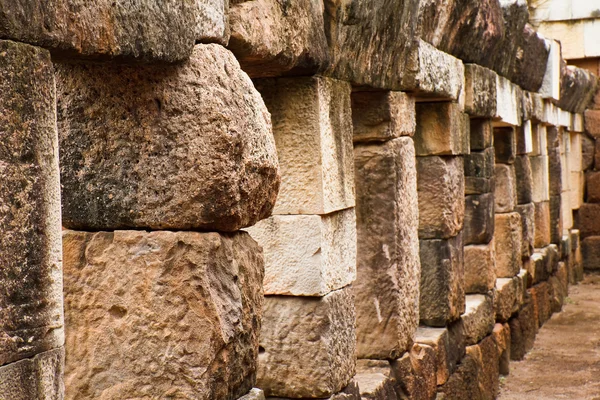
[[339, 200]]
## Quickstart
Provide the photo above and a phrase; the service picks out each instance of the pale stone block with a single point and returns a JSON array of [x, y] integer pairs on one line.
[[307, 255], [481, 134], [550, 114], [564, 118], [523, 283], [478, 318], [480, 91], [439, 340], [312, 125], [539, 140], [505, 298], [505, 192], [524, 138], [577, 124], [388, 268], [379, 116], [507, 238], [591, 33], [566, 211], [307, 345], [508, 100], [480, 268], [540, 175], [577, 189], [576, 154], [440, 130], [254, 394], [505, 144], [570, 34]]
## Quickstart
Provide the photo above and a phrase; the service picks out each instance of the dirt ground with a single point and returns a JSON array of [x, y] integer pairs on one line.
[[565, 362]]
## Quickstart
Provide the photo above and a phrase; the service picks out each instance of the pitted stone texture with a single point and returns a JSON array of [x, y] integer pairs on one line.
[[480, 268], [480, 91], [187, 146], [183, 321], [589, 220], [540, 297], [478, 319], [415, 373], [307, 255], [505, 192], [309, 345], [379, 116], [505, 299], [509, 102], [388, 268], [375, 380], [272, 38], [440, 130], [439, 340], [501, 336], [531, 60], [312, 124], [479, 219], [31, 306], [577, 89], [144, 30], [40, 377], [507, 238], [527, 213], [442, 294], [588, 152], [440, 186], [592, 180]]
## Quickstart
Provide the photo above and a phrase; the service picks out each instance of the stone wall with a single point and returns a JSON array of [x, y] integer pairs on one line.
[[307, 200]]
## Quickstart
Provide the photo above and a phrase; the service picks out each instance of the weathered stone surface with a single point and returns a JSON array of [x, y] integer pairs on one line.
[[542, 224], [505, 299], [356, 34], [524, 138], [556, 218], [592, 180], [479, 219], [180, 147], [440, 129], [588, 219], [505, 145], [523, 328], [531, 60], [505, 191], [479, 172], [31, 308], [588, 152], [480, 91], [440, 187], [312, 124], [555, 166], [350, 392], [199, 294], [481, 134], [379, 116], [502, 338], [254, 394], [415, 373], [527, 213], [478, 318], [388, 268], [271, 38], [540, 174], [374, 378], [551, 84], [39, 377], [480, 268], [507, 238], [524, 179], [577, 89], [538, 138], [540, 298], [456, 337], [308, 345], [439, 340], [307, 255], [442, 295], [592, 123], [558, 288], [590, 249], [142, 30], [509, 102], [515, 15]]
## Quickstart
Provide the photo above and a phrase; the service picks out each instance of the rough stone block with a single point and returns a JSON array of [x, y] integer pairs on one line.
[[590, 251], [271, 38], [542, 224], [186, 146], [312, 125], [307, 255], [308, 345], [480, 91], [588, 151], [388, 268], [480, 268], [502, 337], [505, 145], [350, 392], [527, 213], [551, 83], [479, 219], [379, 116], [479, 318], [456, 337], [540, 174], [442, 295], [31, 316], [531, 59], [508, 100], [39, 377], [523, 328], [415, 373], [481, 134], [540, 297], [505, 191], [558, 286], [440, 129], [577, 87], [479, 172], [374, 378], [524, 179], [556, 219], [592, 180], [197, 295], [577, 183], [439, 340], [524, 138], [507, 238], [440, 186], [555, 166], [505, 299]]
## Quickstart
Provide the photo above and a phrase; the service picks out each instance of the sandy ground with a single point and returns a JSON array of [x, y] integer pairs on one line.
[[565, 361]]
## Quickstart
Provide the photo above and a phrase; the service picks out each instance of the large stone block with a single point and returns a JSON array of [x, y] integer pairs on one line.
[[480, 268], [415, 373], [478, 319], [542, 225], [312, 124], [588, 152], [540, 298], [540, 175], [505, 298], [592, 180], [388, 268], [307, 255], [577, 88], [187, 146], [555, 167], [308, 345], [505, 190], [254, 394], [527, 213], [479, 219], [523, 328], [442, 294], [479, 172], [501, 335], [39, 377], [588, 219], [480, 91], [524, 180], [379, 116], [559, 289], [441, 129], [272, 38], [507, 238], [531, 60], [505, 145], [440, 187], [31, 307], [481, 134], [592, 123], [556, 218], [539, 145], [189, 301], [439, 340], [590, 251], [142, 30], [375, 380], [509, 102]]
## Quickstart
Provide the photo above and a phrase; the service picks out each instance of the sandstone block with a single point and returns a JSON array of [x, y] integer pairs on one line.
[[523, 328], [540, 297], [524, 138], [440, 186], [481, 134], [505, 299], [555, 167], [480, 91], [199, 294], [442, 296], [592, 123], [530, 62], [312, 125], [270, 38], [524, 282], [439, 340], [374, 378], [254, 394], [457, 339], [524, 179], [502, 338], [592, 179], [551, 83], [507, 238], [31, 306], [479, 219], [505, 191], [508, 100], [308, 345], [539, 145], [577, 88], [527, 213], [307, 255], [540, 175], [588, 152], [388, 268], [479, 172], [542, 224], [589, 220], [556, 218], [505, 145], [350, 392], [39, 377], [590, 249], [187, 146], [379, 116], [480, 268], [558, 288], [478, 318], [415, 373], [440, 129]]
